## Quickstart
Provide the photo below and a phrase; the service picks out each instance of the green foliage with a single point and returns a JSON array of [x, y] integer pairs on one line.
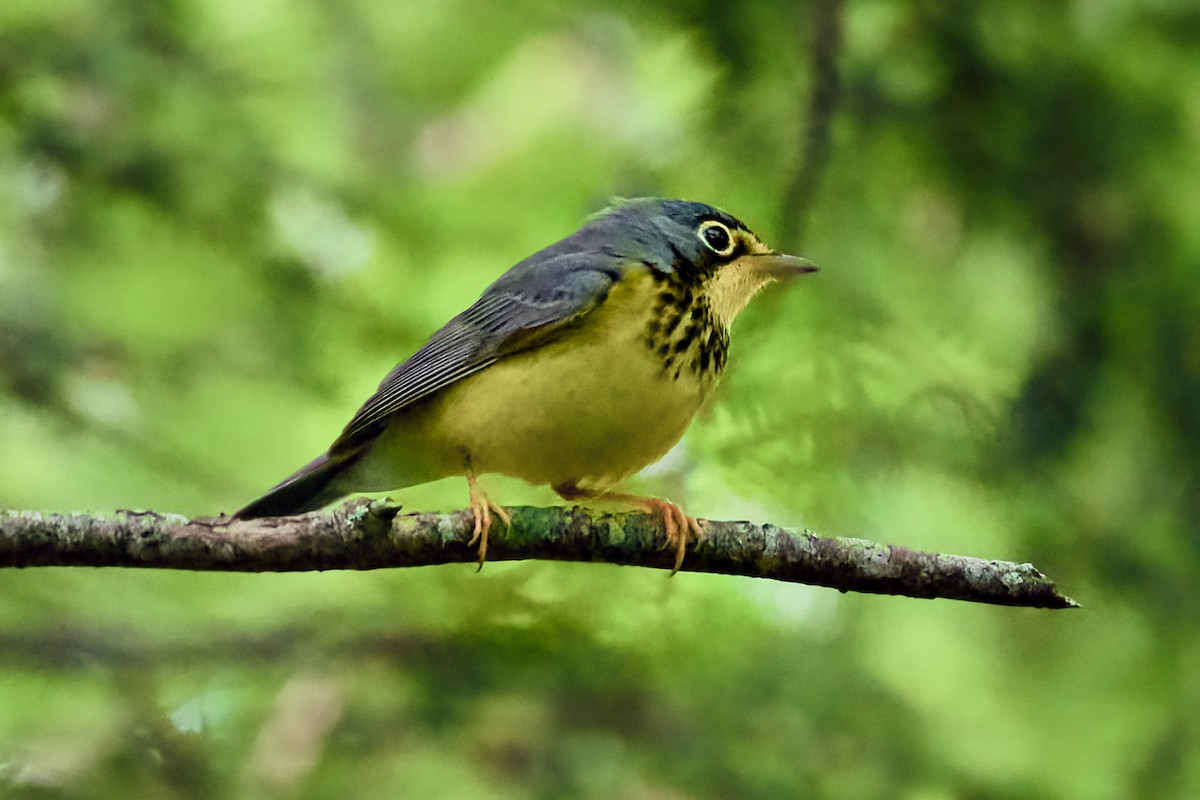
[[222, 222]]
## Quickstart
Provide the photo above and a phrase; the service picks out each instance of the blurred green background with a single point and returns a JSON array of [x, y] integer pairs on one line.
[[221, 222]]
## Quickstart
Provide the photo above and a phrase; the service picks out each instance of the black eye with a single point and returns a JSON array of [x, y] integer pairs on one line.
[[716, 237]]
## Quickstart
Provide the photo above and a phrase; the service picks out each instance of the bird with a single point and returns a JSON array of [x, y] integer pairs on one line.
[[578, 367]]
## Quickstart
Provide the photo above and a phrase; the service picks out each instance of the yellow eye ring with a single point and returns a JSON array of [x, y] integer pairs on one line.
[[717, 237]]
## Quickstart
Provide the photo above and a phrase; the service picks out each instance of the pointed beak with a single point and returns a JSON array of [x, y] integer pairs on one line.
[[782, 266]]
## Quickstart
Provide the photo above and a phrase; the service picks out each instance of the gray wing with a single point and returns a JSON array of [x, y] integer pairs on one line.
[[525, 308]]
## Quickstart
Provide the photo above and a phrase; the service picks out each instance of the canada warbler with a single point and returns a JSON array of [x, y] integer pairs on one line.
[[578, 367]]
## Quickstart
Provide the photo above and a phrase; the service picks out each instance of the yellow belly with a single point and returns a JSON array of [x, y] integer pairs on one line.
[[590, 408]]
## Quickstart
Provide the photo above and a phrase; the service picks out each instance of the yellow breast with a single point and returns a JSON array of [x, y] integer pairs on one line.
[[589, 408]]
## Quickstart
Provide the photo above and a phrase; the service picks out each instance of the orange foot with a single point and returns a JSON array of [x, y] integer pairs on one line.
[[483, 508], [679, 526]]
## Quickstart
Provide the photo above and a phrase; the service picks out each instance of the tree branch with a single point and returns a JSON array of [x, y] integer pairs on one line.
[[373, 534], [823, 49]]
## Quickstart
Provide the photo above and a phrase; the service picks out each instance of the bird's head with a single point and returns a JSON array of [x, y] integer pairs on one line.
[[696, 245]]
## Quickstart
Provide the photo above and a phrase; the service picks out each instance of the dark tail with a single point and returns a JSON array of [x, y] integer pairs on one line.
[[308, 489]]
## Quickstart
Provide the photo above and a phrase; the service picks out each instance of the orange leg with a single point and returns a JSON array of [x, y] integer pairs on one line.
[[679, 526], [483, 508]]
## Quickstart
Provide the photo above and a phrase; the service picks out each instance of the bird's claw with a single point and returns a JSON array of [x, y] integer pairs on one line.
[[483, 508], [680, 528]]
